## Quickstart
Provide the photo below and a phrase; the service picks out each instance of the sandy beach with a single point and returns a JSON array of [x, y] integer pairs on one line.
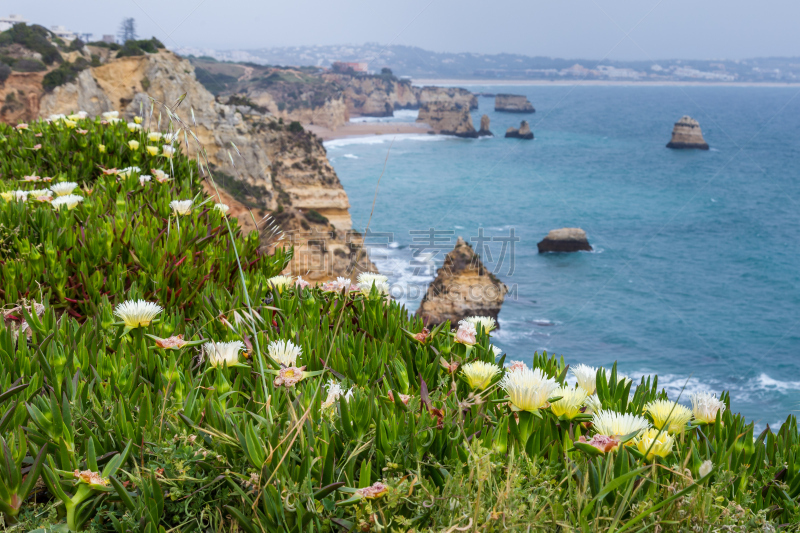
[[467, 83], [361, 129]]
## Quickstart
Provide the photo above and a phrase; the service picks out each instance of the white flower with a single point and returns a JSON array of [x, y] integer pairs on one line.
[[181, 207], [64, 188], [495, 350], [144, 178], [160, 175], [132, 126], [368, 278], [479, 374], [488, 323], [593, 404], [20, 196], [670, 416], [284, 352], [705, 407], [127, 171], [108, 115], [222, 208], [36, 193], [335, 391], [137, 313], [569, 406], [705, 468], [300, 283], [466, 333], [154, 136], [381, 286], [80, 115], [586, 376], [56, 118], [220, 353], [70, 200], [167, 151], [168, 138], [339, 284], [613, 424], [280, 282], [528, 390]]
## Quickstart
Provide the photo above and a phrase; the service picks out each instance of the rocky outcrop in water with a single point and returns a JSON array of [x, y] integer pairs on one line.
[[452, 95], [565, 240], [513, 103], [463, 287], [447, 119], [687, 134], [484, 131], [524, 131]]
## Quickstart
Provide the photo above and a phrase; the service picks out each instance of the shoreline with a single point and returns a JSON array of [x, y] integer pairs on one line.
[[364, 129], [612, 83]]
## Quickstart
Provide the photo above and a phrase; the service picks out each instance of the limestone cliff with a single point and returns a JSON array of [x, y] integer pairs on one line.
[[524, 131], [279, 168], [463, 287], [453, 95], [19, 96], [330, 113], [513, 103], [447, 119], [687, 134]]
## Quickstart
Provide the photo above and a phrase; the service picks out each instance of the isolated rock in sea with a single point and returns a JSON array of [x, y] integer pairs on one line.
[[524, 131], [565, 240], [687, 134], [463, 287], [484, 131], [447, 118], [513, 103]]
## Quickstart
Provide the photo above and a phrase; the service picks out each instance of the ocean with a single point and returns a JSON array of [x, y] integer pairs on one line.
[[695, 273]]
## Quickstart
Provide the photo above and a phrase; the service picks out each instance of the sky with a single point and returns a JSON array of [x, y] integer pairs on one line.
[[591, 29]]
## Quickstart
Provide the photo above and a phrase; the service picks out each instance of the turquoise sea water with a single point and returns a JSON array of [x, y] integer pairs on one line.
[[696, 269]]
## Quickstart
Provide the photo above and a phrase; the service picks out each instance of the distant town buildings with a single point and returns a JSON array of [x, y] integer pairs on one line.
[[7, 22], [357, 67], [63, 33], [108, 39]]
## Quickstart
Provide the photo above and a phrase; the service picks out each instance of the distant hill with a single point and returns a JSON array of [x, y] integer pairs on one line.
[[418, 63]]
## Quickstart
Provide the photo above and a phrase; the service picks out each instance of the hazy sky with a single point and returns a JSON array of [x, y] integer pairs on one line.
[[655, 29]]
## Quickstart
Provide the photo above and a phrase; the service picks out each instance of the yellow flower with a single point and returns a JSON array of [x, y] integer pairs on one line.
[[70, 123], [167, 151], [569, 406], [670, 416], [154, 136], [528, 390], [479, 374], [613, 424], [137, 120], [133, 145], [280, 282], [101, 148], [152, 150], [658, 445]]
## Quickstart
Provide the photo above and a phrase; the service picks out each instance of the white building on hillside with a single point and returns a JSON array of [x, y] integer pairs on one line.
[[7, 22], [63, 33]]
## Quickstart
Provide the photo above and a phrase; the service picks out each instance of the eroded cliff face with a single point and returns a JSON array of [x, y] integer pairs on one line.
[[463, 287], [452, 95], [513, 103], [19, 97], [276, 170], [447, 118], [330, 113]]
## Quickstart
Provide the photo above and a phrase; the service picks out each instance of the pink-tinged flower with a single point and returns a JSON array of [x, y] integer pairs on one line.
[[31, 178], [47, 179], [466, 333], [516, 366], [300, 283], [403, 397], [603, 443], [110, 171], [82, 132], [44, 198], [289, 377], [376, 490], [171, 343], [37, 135], [21, 126], [37, 146], [90, 478], [159, 175], [422, 336], [336, 285]]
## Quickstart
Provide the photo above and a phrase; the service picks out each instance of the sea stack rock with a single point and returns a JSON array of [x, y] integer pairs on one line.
[[524, 131], [484, 131], [447, 118], [687, 134], [565, 240], [513, 103], [463, 287]]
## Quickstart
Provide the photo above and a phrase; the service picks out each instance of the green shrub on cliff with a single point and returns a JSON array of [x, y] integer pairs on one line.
[[307, 408], [35, 38]]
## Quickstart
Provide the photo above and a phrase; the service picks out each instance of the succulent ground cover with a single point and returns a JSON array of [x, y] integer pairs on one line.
[[158, 374]]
